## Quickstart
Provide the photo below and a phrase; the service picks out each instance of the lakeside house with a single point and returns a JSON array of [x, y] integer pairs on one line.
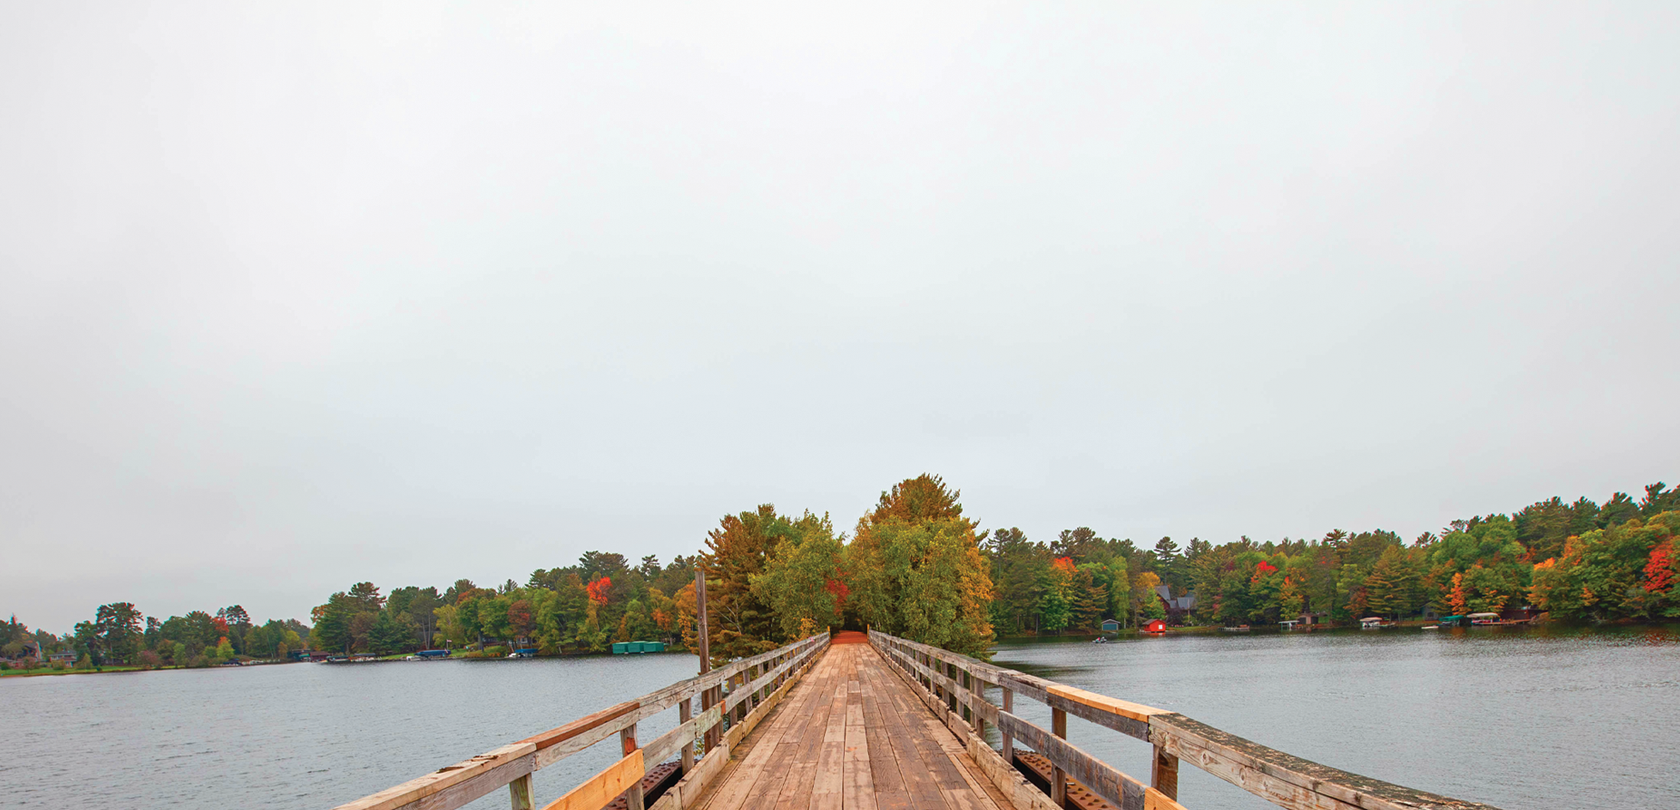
[[68, 657], [1177, 607], [1110, 625]]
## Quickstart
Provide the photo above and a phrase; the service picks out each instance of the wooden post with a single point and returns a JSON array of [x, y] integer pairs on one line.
[[685, 713], [976, 691], [1058, 777], [633, 794], [1163, 775], [1008, 738], [519, 790]]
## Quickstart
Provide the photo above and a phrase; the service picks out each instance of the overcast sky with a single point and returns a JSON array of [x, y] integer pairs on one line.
[[296, 295]]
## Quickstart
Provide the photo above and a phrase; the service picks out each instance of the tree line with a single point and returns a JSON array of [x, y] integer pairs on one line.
[[120, 635], [916, 566], [1577, 561], [578, 608]]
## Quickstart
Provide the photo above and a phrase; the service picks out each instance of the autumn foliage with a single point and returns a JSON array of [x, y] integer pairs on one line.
[[600, 591]]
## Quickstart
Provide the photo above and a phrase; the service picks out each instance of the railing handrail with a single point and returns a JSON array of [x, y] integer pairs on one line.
[[1283, 779], [511, 766]]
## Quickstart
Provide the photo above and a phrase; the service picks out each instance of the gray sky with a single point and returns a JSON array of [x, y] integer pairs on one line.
[[295, 295]]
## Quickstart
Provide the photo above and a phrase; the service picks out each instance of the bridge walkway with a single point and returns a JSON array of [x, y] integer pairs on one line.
[[852, 735]]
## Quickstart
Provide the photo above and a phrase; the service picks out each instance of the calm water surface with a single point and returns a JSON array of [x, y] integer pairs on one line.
[[1517, 718], [301, 735], [1525, 719]]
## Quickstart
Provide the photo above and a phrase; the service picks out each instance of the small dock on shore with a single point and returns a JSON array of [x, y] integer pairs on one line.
[[882, 723]]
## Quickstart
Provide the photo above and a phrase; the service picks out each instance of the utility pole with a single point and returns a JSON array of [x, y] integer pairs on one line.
[[710, 697], [700, 616]]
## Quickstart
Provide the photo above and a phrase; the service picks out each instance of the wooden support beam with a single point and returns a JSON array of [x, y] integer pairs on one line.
[[1008, 738], [685, 713], [1163, 774], [1058, 777], [633, 794], [519, 792]]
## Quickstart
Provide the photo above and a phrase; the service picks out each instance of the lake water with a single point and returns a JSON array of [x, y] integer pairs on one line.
[[1519, 719], [301, 735], [1515, 717]]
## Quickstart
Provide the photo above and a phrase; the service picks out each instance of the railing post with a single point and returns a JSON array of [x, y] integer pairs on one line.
[[1163, 775], [685, 713], [634, 793], [519, 790], [709, 739], [1058, 777], [1008, 738], [976, 691]]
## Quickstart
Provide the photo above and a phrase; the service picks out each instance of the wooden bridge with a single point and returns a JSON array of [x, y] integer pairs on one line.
[[883, 723]]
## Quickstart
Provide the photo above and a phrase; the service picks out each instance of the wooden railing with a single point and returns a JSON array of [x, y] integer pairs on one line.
[[741, 690], [952, 685]]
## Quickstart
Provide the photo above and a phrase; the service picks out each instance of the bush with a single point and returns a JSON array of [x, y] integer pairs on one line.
[[150, 660], [4, 666]]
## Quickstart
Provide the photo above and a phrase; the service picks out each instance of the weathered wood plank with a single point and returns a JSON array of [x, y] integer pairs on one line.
[[1156, 800], [519, 793], [484, 784], [1104, 703], [414, 790], [604, 786], [1106, 781], [684, 734], [920, 787], [1283, 779]]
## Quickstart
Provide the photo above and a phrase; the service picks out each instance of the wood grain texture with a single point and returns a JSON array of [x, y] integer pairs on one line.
[[414, 791], [1104, 703], [604, 786], [1286, 780]]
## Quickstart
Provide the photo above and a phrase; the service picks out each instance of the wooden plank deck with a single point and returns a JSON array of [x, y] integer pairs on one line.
[[852, 735]]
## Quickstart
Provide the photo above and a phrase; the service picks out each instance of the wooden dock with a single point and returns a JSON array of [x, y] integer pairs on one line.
[[853, 735], [883, 723]]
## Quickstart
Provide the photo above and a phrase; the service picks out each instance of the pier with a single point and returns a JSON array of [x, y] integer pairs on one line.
[[877, 722]]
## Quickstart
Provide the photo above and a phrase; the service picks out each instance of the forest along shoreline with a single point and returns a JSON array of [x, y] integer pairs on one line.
[[917, 567]]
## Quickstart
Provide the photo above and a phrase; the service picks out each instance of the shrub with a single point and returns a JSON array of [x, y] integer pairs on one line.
[[4, 666], [150, 660]]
